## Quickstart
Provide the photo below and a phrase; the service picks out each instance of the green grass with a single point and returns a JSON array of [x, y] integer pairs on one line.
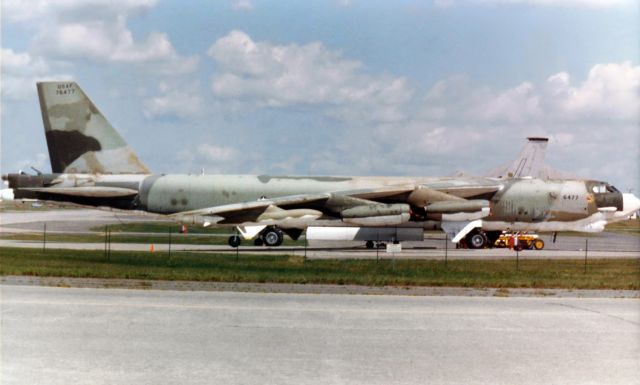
[[601, 273]]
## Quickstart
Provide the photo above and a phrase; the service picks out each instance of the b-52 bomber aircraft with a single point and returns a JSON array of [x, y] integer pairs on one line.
[[92, 165]]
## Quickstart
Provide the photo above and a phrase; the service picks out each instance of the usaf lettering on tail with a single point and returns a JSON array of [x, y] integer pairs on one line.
[[93, 165]]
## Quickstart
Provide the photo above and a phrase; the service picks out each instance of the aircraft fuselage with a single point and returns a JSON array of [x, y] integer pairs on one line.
[[516, 204]]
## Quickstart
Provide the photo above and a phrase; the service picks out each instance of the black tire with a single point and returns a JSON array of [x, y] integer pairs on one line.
[[258, 241], [476, 240], [538, 244], [234, 241], [369, 244], [273, 237]]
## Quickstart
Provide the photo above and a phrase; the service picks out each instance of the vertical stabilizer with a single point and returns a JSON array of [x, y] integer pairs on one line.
[[530, 162], [79, 137]]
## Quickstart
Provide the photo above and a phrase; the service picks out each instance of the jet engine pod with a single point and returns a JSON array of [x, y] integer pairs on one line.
[[423, 196], [458, 206], [375, 210], [198, 220], [382, 220], [377, 214]]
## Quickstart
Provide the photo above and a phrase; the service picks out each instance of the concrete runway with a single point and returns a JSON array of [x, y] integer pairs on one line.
[[114, 336]]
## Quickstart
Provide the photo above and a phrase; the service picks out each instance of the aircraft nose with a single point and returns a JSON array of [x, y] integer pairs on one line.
[[630, 203]]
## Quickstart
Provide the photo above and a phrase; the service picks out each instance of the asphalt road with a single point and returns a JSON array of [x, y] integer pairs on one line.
[[114, 336]]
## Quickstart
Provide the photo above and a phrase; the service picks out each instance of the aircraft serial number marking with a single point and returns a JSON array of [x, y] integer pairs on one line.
[[65, 89]]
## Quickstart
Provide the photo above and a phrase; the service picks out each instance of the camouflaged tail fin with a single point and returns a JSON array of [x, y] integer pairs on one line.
[[79, 137]]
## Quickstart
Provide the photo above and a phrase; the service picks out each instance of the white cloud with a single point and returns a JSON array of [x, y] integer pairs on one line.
[[96, 30], [176, 99], [213, 159], [304, 75], [39, 162], [21, 71], [242, 5], [546, 3], [589, 122], [611, 91], [21, 11], [216, 153]]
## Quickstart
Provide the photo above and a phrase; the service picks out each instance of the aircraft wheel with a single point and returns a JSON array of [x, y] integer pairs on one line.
[[476, 241], [538, 244], [369, 244], [258, 242], [273, 237], [234, 241]]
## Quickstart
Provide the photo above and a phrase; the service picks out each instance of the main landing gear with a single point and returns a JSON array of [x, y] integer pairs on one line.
[[377, 244], [270, 236], [478, 239]]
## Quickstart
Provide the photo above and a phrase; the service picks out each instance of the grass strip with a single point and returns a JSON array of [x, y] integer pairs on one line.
[[569, 274]]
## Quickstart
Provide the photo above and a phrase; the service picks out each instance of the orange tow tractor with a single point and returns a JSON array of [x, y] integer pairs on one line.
[[519, 241]]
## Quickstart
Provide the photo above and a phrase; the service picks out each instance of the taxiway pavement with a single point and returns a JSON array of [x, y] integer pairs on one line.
[[348, 252], [115, 336], [603, 245]]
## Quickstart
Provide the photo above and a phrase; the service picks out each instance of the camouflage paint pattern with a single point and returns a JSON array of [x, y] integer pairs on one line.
[[93, 165], [79, 137]]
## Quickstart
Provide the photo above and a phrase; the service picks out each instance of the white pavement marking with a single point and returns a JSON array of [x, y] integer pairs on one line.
[[115, 336]]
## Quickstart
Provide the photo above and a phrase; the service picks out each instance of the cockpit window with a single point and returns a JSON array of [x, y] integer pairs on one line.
[[602, 188]]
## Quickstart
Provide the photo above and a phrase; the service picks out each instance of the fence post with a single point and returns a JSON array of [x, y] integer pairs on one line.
[[377, 245], [169, 244], [44, 238], [586, 251], [105, 241], [237, 248], [446, 248], [306, 242]]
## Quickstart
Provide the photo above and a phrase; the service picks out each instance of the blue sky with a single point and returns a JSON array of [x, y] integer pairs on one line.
[[336, 87]]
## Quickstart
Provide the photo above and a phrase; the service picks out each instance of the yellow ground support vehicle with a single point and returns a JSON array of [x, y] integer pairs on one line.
[[524, 241]]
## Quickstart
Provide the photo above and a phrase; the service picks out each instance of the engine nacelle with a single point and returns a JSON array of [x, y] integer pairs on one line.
[[375, 210], [382, 220], [198, 220]]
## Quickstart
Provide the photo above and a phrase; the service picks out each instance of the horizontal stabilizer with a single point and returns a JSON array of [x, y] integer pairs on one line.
[[87, 192]]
